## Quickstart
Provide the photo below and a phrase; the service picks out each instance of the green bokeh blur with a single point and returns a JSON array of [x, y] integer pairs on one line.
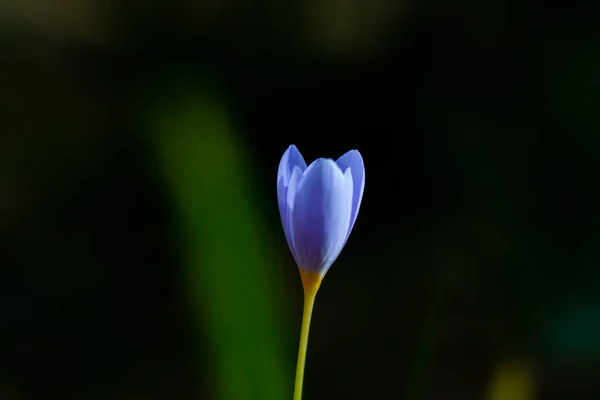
[[228, 251]]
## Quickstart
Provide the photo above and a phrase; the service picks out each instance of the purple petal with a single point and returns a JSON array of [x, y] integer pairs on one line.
[[292, 189], [320, 217], [291, 158], [354, 161], [290, 172]]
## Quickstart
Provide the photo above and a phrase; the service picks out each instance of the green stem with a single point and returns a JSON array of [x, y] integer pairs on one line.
[[309, 301]]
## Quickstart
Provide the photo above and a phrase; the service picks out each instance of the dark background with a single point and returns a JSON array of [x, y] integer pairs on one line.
[[141, 252]]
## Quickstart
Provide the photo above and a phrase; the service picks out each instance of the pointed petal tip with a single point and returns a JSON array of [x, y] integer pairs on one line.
[[352, 153], [293, 149], [291, 158]]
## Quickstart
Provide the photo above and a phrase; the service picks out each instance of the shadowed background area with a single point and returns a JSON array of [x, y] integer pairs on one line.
[[141, 252]]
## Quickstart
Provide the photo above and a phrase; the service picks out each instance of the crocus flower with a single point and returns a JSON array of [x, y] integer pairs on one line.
[[318, 206]]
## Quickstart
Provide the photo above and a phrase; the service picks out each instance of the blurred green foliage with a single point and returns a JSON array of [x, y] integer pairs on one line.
[[224, 240], [478, 124]]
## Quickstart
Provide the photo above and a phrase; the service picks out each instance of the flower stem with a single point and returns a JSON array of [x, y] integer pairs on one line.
[[309, 301]]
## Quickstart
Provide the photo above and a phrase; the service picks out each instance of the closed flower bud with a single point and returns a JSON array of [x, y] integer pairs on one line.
[[318, 206]]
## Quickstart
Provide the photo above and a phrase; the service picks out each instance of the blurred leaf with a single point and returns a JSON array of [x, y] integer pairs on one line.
[[224, 242]]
